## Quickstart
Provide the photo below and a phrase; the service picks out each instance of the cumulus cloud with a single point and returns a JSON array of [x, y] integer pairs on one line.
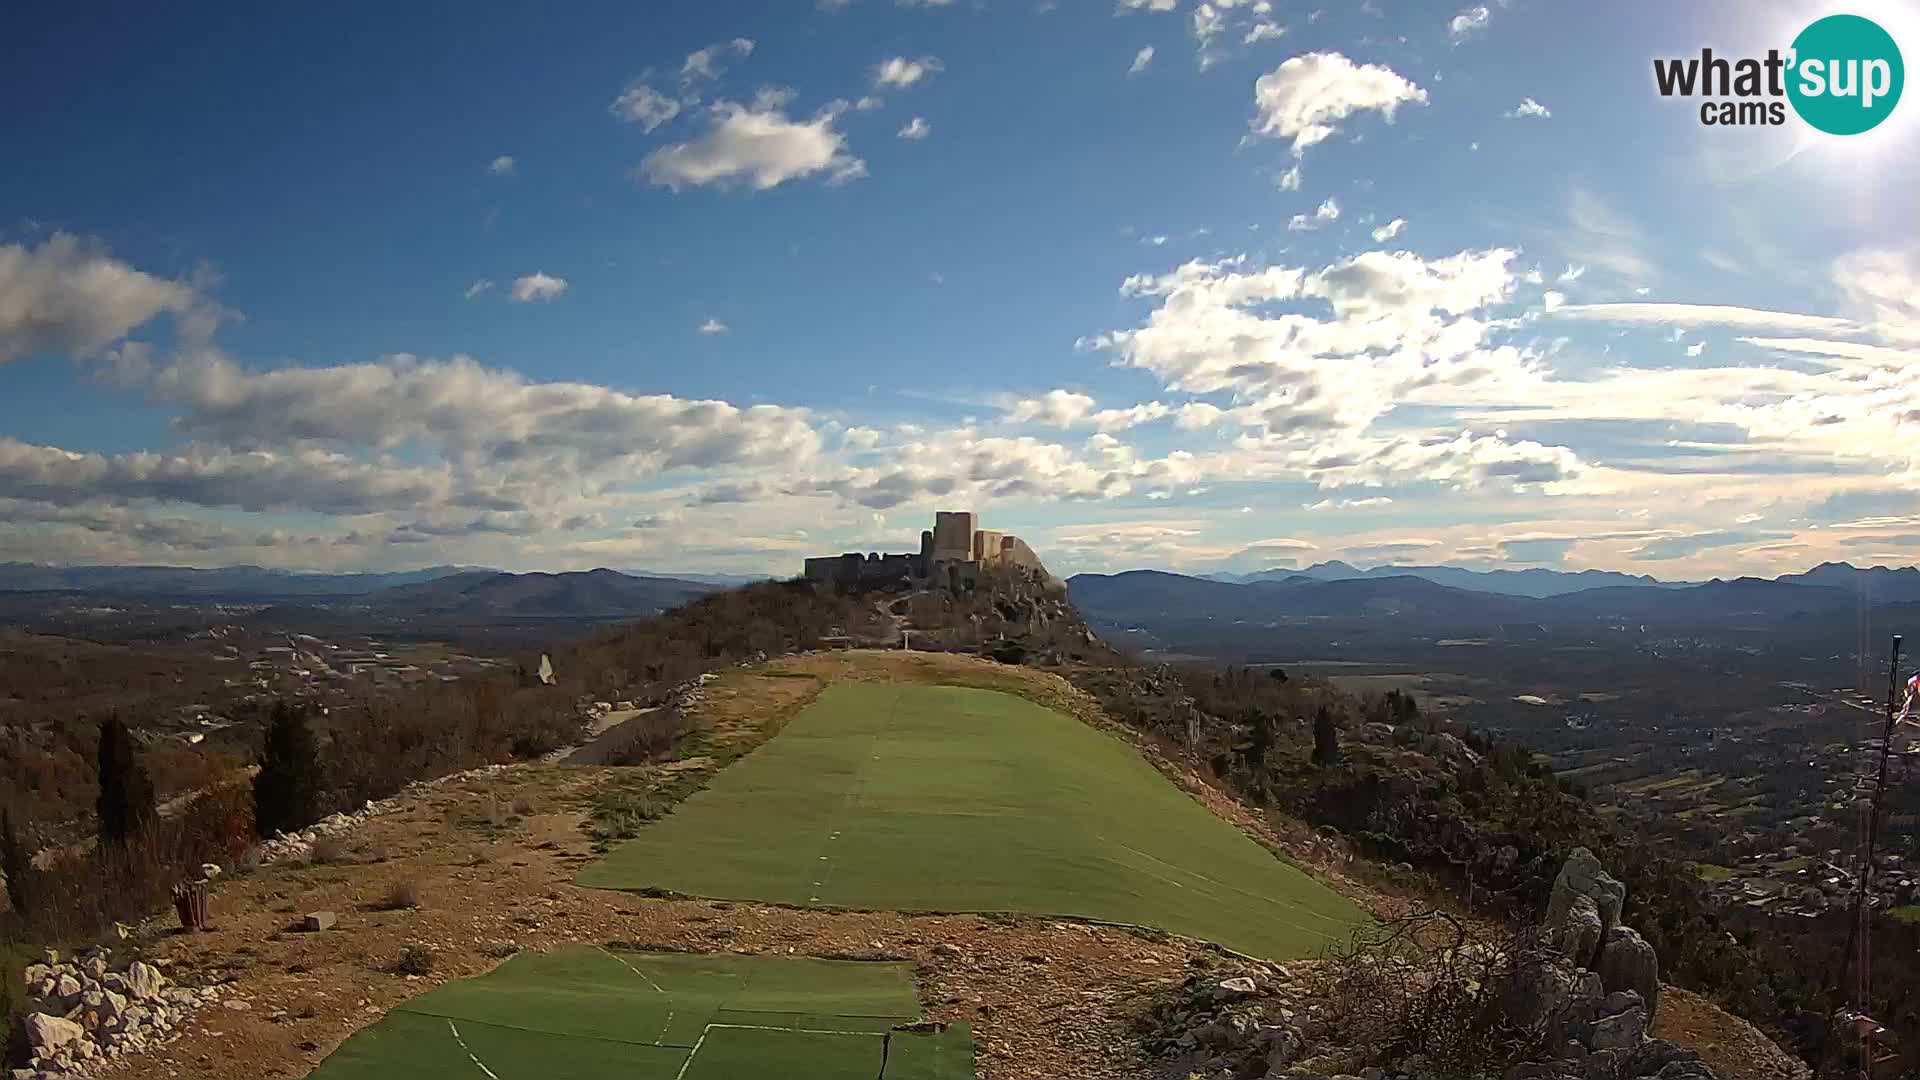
[[1060, 408], [1399, 324], [901, 73], [1141, 59], [501, 166], [488, 422], [1529, 108], [1146, 5], [257, 480], [714, 326], [1390, 230], [1327, 211], [643, 105], [1469, 21], [916, 129], [70, 296], [1263, 31], [536, 286], [758, 145], [1306, 97]]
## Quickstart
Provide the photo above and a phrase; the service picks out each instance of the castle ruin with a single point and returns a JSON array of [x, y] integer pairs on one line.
[[951, 554]]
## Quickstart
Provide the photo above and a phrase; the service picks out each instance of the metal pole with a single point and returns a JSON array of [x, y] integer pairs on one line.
[[1858, 935]]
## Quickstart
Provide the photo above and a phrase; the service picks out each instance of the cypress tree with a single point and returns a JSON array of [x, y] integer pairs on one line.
[[14, 862], [126, 791], [286, 791], [1326, 737]]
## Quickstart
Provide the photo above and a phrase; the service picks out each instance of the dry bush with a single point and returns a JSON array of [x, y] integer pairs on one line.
[[80, 898], [329, 851], [414, 960], [403, 895], [1427, 984]]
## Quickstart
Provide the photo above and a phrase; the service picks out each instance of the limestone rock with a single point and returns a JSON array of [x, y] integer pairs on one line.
[[318, 920], [1537, 994], [67, 989], [1621, 1031], [1568, 920], [1627, 962], [1235, 989], [49, 1033], [144, 981]]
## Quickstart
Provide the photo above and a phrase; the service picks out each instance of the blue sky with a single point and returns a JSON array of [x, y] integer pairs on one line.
[[718, 287]]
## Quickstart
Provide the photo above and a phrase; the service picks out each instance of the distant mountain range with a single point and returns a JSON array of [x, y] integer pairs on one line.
[[1491, 601], [1881, 584], [227, 582], [457, 591], [1535, 582], [591, 594]]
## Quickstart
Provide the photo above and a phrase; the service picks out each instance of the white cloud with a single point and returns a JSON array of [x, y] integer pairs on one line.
[[1529, 108], [1469, 21], [1390, 230], [902, 73], [1059, 408], [1263, 31], [1696, 348], [916, 129], [255, 480], [501, 166], [72, 297], [642, 104], [1306, 97], [1347, 504], [714, 326], [1571, 274], [757, 145], [1684, 315], [702, 65], [486, 422], [537, 286], [1141, 59], [1552, 300], [1325, 212], [1884, 287], [867, 103], [479, 288], [1146, 5]]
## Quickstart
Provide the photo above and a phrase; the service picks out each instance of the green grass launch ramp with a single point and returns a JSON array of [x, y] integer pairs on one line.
[[937, 798], [582, 1013]]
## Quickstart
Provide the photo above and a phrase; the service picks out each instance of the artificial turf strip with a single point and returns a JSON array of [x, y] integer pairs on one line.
[[938, 798], [585, 1013]]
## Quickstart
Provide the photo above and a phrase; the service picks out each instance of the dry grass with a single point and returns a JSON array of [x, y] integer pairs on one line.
[[402, 895], [329, 851]]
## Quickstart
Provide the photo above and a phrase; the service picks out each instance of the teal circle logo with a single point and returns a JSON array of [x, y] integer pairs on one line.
[[1847, 75]]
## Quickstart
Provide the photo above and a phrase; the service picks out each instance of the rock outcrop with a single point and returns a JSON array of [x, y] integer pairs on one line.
[[85, 1012], [1591, 989]]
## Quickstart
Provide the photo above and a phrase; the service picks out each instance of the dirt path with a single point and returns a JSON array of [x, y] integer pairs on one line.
[[607, 735]]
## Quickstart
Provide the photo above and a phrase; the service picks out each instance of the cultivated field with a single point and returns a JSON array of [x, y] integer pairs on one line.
[[941, 798], [585, 1013]]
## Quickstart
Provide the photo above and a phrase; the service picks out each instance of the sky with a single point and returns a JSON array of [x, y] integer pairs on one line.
[[1210, 287]]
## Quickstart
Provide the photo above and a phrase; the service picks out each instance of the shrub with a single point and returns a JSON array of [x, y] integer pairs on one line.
[[328, 850], [286, 791], [126, 802], [1424, 984], [402, 895], [523, 806], [619, 814], [414, 960], [15, 861]]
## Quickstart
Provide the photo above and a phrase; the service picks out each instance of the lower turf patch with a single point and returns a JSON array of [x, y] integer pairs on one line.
[[583, 1013], [941, 798]]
